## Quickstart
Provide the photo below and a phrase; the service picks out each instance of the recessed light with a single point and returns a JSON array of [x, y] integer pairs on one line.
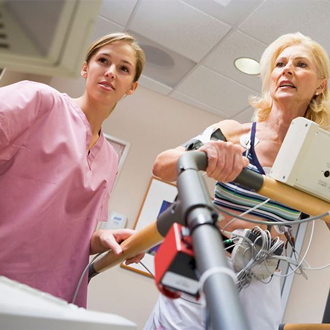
[[222, 2], [157, 56], [163, 65], [247, 65]]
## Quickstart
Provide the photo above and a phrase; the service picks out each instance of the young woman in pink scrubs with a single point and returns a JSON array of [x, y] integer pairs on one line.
[[57, 171]]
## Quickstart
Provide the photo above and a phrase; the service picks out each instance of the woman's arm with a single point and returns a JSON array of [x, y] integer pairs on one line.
[[225, 160], [166, 162]]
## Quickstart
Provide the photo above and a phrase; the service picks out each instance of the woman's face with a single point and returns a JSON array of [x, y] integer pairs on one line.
[[294, 77], [110, 73]]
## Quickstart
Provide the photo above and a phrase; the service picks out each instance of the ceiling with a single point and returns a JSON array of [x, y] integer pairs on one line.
[[202, 38], [191, 45]]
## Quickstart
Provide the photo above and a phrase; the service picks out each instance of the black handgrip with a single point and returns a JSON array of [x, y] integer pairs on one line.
[[198, 160], [193, 160], [250, 179]]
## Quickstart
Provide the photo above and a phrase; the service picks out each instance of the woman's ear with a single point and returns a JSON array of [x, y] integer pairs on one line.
[[84, 69], [322, 87], [132, 88]]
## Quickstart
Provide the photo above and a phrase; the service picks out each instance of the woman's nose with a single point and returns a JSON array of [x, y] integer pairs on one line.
[[288, 69], [110, 73]]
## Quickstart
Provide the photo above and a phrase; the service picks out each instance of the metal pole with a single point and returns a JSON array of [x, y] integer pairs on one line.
[[220, 291]]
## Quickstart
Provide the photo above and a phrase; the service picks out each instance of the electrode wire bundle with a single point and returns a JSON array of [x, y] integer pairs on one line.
[[266, 246], [253, 254]]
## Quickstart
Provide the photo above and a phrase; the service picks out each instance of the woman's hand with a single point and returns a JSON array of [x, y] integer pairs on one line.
[[225, 160], [103, 240]]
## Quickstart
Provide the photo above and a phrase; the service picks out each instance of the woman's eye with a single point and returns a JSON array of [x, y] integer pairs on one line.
[[279, 64], [124, 68], [102, 60], [302, 64]]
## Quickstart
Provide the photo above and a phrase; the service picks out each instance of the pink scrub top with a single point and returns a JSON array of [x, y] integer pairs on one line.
[[52, 190]]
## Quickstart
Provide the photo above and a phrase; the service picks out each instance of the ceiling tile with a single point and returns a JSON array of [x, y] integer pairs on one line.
[[234, 46], [232, 13], [178, 26], [104, 26], [163, 65], [186, 99], [245, 116], [154, 85], [276, 17], [216, 91], [118, 11]]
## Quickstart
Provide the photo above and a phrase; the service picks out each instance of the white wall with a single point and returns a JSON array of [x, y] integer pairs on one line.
[[308, 297], [153, 123]]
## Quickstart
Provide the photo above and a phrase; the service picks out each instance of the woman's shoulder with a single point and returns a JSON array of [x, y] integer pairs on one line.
[[48, 95], [33, 85], [30, 93], [35, 89], [233, 129], [43, 88]]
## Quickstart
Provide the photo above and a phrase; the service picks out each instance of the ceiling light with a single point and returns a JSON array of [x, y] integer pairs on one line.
[[157, 56], [163, 65], [247, 65], [223, 2]]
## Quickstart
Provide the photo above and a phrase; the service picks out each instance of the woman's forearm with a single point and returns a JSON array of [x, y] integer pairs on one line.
[[165, 166]]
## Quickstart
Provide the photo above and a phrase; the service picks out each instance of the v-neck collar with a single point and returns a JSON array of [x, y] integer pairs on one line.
[[91, 154]]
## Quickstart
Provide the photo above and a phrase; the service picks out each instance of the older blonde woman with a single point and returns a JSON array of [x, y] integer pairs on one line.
[[294, 72]]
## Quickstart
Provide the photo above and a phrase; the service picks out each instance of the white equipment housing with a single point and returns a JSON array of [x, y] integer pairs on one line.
[[46, 37], [303, 161], [25, 308]]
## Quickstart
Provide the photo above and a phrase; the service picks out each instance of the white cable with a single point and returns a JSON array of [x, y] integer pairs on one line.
[[318, 268], [246, 212], [273, 223], [215, 270], [261, 252], [82, 277], [295, 254], [308, 246], [315, 268], [304, 256], [288, 260]]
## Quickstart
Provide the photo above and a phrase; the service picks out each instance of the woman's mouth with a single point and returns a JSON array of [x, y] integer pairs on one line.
[[107, 85], [286, 84]]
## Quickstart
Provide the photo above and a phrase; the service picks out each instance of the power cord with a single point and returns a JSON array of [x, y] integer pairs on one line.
[[82, 277]]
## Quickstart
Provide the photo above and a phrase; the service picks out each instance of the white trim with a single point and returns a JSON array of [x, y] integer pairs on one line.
[[126, 145], [2, 72]]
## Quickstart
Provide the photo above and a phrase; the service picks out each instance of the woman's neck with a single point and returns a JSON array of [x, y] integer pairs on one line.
[[281, 116], [95, 113]]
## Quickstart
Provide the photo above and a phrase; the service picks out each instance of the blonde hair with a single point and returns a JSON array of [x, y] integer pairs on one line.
[[114, 37], [319, 107]]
